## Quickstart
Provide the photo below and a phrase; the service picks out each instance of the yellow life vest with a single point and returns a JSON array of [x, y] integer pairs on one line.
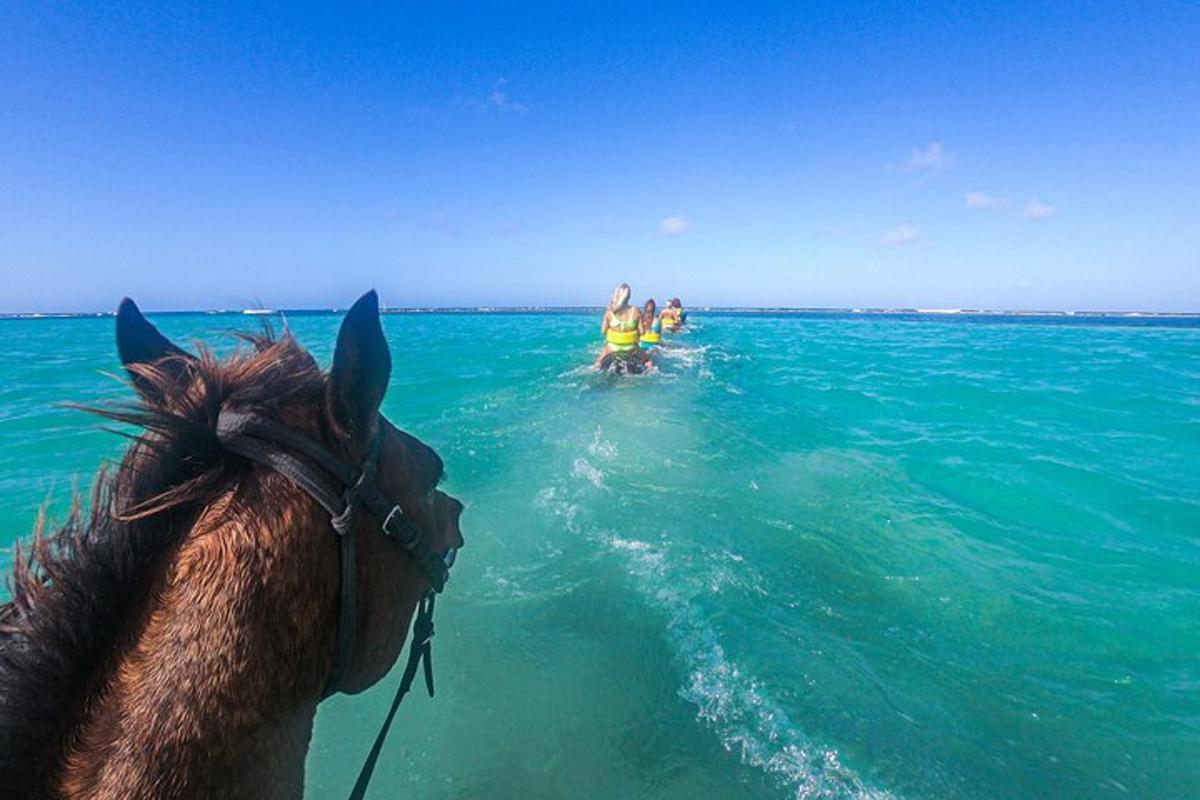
[[651, 337], [622, 334], [622, 337]]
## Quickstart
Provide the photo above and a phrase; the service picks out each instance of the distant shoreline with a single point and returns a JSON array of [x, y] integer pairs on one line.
[[729, 310]]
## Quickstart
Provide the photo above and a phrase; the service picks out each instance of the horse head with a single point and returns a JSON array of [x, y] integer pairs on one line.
[[345, 418], [176, 642]]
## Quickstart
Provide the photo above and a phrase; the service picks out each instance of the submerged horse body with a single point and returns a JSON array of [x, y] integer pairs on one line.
[[176, 641], [624, 363]]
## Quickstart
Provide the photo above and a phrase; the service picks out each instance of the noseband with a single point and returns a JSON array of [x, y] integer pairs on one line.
[[343, 489]]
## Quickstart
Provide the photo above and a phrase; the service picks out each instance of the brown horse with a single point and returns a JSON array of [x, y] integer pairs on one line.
[[176, 641]]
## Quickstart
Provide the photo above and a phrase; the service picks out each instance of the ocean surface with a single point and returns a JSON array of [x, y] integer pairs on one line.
[[814, 556]]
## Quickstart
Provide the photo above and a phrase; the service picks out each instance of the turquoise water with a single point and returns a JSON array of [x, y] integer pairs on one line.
[[816, 556]]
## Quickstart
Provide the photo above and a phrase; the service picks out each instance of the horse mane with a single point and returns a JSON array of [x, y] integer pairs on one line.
[[75, 590]]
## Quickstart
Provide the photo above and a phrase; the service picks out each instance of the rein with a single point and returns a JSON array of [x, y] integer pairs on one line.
[[342, 489]]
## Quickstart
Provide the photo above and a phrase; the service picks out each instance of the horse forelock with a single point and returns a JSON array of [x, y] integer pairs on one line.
[[75, 589]]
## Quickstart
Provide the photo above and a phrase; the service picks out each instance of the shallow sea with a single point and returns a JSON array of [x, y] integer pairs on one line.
[[815, 555]]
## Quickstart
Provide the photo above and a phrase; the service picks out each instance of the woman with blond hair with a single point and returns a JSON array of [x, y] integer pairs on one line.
[[620, 328]]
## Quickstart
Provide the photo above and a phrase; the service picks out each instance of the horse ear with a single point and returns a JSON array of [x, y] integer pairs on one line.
[[362, 366], [140, 344]]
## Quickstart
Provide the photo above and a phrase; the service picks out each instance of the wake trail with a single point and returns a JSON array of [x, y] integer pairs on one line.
[[731, 702]]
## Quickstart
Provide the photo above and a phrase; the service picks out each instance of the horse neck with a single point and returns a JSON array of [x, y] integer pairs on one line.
[[215, 693]]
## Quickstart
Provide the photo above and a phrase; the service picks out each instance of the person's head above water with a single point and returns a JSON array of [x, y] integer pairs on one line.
[[649, 308], [675, 303], [620, 298]]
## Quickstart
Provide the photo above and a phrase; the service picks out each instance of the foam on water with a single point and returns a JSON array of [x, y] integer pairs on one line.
[[732, 702], [736, 706]]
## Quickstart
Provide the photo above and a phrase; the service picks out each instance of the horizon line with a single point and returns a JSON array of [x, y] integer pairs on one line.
[[543, 308]]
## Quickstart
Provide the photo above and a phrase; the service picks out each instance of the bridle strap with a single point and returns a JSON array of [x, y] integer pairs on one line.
[[286, 464], [419, 652], [268, 442], [398, 527], [240, 434], [271, 444], [240, 423]]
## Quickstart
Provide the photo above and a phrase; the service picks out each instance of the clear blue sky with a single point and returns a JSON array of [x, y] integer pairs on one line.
[[208, 156]]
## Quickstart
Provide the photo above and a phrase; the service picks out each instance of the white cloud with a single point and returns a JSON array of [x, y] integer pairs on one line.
[[500, 100], [901, 234], [928, 160], [1036, 209], [674, 226], [981, 200]]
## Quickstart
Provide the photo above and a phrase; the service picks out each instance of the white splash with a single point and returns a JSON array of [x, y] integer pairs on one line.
[[602, 448], [733, 703], [582, 469]]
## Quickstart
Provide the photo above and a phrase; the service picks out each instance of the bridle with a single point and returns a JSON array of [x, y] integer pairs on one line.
[[344, 489]]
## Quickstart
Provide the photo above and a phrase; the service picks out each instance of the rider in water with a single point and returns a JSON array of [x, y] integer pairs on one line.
[[620, 327], [650, 327], [673, 316]]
